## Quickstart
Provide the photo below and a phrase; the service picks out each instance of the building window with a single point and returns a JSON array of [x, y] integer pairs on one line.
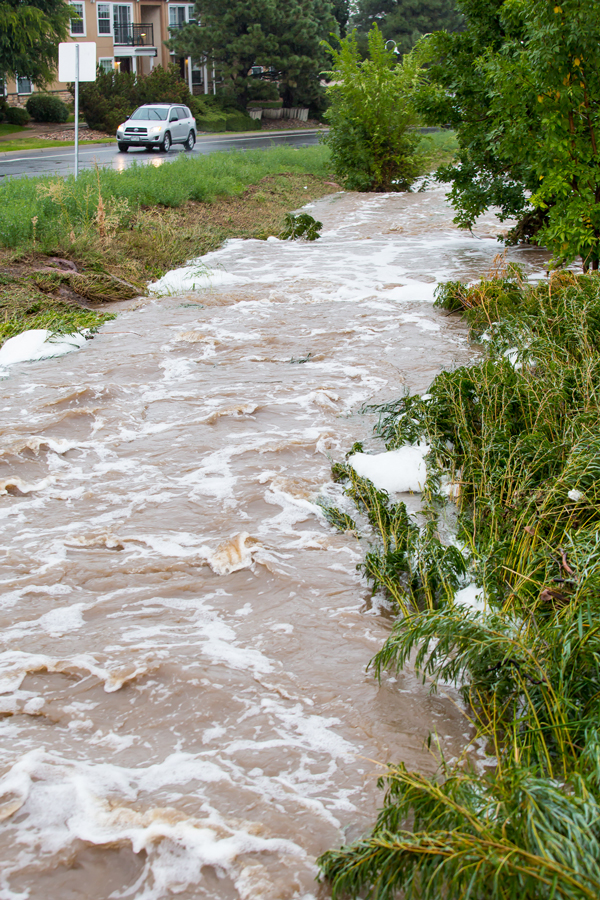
[[177, 16], [197, 73], [103, 18], [24, 86], [78, 25], [107, 64]]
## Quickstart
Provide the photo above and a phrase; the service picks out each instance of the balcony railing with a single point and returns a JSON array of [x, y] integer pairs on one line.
[[177, 26], [134, 35]]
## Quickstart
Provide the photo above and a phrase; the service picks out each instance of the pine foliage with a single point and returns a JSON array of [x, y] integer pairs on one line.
[[236, 35], [405, 21]]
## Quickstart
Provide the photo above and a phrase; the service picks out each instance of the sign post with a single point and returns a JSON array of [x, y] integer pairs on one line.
[[76, 66]]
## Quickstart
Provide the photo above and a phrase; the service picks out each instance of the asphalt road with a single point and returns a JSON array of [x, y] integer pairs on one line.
[[51, 161]]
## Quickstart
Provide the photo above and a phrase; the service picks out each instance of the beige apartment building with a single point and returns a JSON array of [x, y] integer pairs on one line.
[[129, 37]]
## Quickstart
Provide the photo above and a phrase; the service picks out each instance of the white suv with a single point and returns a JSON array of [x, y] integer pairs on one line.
[[158, 125]]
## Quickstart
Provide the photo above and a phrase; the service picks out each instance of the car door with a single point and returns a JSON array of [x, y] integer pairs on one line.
[[186, 122], [175, 125]]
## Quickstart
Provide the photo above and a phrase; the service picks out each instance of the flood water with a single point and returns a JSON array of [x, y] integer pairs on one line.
[[184, 638]]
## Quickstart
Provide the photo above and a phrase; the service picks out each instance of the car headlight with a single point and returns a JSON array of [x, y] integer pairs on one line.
[[121, 127], [156, 129]]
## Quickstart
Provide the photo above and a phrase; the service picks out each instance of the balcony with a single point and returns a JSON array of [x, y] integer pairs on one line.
[[177, 26], [134, 35]]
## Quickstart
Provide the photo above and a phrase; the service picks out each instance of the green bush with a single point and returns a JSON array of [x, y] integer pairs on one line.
[[211, 124], [3, 109], [265, 104], [261, 90], [108, 101], [241, 122], [46, 108], [17, 116], [216, 121], [372, 116]]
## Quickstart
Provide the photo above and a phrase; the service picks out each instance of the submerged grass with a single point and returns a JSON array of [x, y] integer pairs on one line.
[[122, 229], [515, 440]]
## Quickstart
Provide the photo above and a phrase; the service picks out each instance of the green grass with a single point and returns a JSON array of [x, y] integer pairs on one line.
[[518, 434], [58, 318], [41, 144], [66, 206], [439, 148], [5, 128]]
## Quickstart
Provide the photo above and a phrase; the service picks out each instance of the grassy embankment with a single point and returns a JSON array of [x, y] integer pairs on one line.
[[122, 229], [516, 440]]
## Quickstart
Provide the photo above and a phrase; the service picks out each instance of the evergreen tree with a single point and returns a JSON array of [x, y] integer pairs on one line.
[[285, 37], [341, 11], [29, 36], [405, 21]]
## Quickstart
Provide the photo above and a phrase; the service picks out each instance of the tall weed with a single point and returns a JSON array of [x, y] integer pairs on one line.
[[515, 442]]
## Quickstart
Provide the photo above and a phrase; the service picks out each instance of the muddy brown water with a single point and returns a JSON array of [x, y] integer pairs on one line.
[[186, 707]]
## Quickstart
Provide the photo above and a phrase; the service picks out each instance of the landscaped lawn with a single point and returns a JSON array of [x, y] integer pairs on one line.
[[5, 128], [40, 143]]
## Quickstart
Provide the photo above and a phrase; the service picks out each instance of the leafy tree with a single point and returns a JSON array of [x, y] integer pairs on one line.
[[405, 21], [29, 36], [238, 34], [371, 112], [522, 87]]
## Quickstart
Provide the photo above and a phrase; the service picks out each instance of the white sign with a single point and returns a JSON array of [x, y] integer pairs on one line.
[[87, 61]]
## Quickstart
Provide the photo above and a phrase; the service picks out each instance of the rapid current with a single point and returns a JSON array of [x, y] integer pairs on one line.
[[185, 704]]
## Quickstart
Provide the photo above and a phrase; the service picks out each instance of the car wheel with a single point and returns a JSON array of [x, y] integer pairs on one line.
[[123, 148], [189, 144], [166, 144]]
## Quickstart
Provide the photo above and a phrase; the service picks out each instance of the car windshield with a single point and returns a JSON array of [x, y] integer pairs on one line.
[[150, 113]]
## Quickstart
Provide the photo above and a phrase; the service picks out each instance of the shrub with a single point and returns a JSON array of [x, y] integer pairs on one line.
[[46, 108], [3, 108], [17, 116], [261, 90], [371, 116], [241, 122], [221, 114], [265, 104], [212, 122], [107, 102]]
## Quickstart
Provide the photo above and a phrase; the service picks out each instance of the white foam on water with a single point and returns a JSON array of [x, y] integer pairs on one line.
[[64, 802], [38, 343], [471, 597], [396, 471], [185, 635]]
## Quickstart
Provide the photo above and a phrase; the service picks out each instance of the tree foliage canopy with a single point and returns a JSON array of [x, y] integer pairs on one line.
[[29, 36], [238, 34], [522, 87], [405, 21]]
